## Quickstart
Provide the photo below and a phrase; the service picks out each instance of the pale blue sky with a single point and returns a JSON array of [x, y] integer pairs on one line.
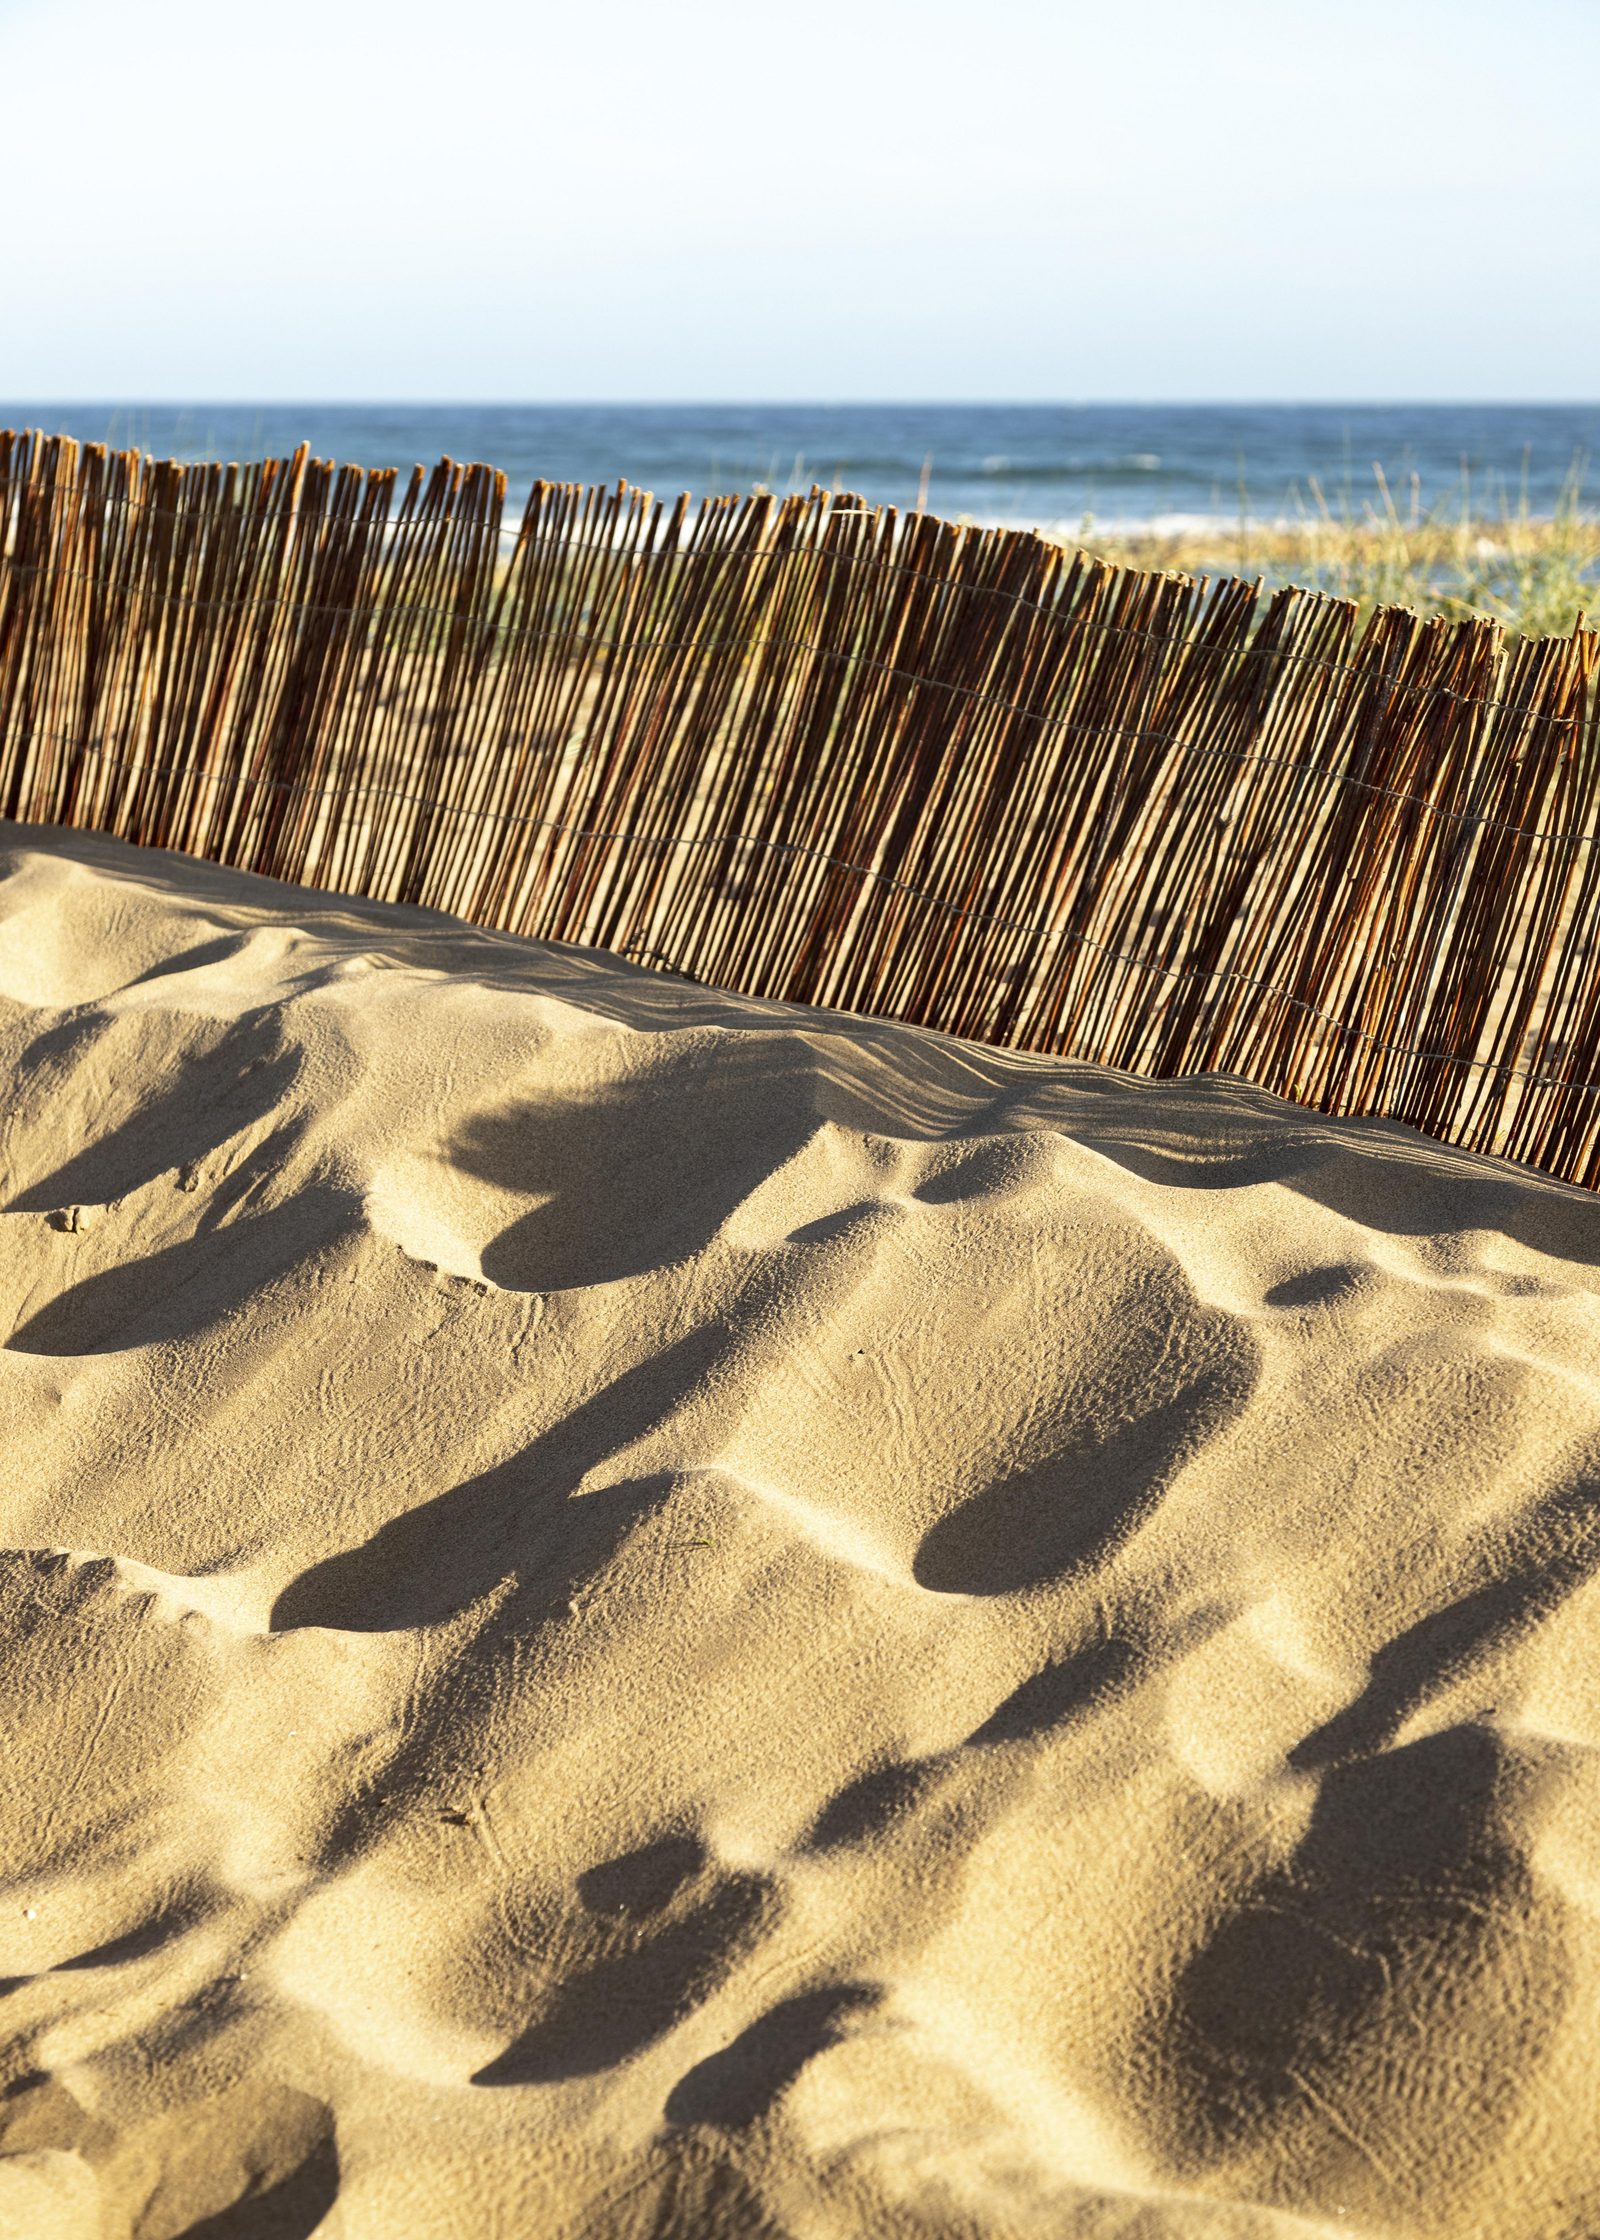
[[853, 199]]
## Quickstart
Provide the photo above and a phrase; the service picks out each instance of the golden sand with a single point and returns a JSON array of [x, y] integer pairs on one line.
[[631, 1612]]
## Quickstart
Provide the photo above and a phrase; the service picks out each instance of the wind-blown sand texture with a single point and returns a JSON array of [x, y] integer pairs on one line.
[[635, 1612]]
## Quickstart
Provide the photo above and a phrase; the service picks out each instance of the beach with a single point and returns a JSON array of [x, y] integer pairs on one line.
[[635, 1611]]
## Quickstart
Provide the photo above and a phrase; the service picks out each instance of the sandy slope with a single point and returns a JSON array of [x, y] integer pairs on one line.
[[633, 1613]]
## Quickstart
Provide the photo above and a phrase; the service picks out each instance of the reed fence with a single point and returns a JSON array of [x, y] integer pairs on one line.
[[806, 748]]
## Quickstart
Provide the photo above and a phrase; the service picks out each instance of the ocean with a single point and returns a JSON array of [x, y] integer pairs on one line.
[[1059, 465]]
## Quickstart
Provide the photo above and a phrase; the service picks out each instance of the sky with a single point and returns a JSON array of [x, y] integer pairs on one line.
[[718, 199]]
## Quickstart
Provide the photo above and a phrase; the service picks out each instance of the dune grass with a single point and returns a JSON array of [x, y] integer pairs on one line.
[[1536, 574]]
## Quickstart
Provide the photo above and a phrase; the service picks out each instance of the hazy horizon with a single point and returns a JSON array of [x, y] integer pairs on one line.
[[1021, 462], [180, 400]]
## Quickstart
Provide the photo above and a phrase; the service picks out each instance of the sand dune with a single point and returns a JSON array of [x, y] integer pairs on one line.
[[628, 1612]]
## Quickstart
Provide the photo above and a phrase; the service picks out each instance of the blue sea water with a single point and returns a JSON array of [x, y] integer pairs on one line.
[[1061, 465]]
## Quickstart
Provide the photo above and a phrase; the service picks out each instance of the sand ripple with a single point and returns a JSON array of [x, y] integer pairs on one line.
[[628, 1612]]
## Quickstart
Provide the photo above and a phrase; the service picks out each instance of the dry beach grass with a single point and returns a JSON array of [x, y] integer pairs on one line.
[[1537, 574]]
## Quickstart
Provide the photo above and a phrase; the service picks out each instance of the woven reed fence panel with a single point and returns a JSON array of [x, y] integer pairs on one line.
[[807, 749]]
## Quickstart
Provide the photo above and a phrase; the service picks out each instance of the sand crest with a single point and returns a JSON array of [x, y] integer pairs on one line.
[[630, 1612]]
